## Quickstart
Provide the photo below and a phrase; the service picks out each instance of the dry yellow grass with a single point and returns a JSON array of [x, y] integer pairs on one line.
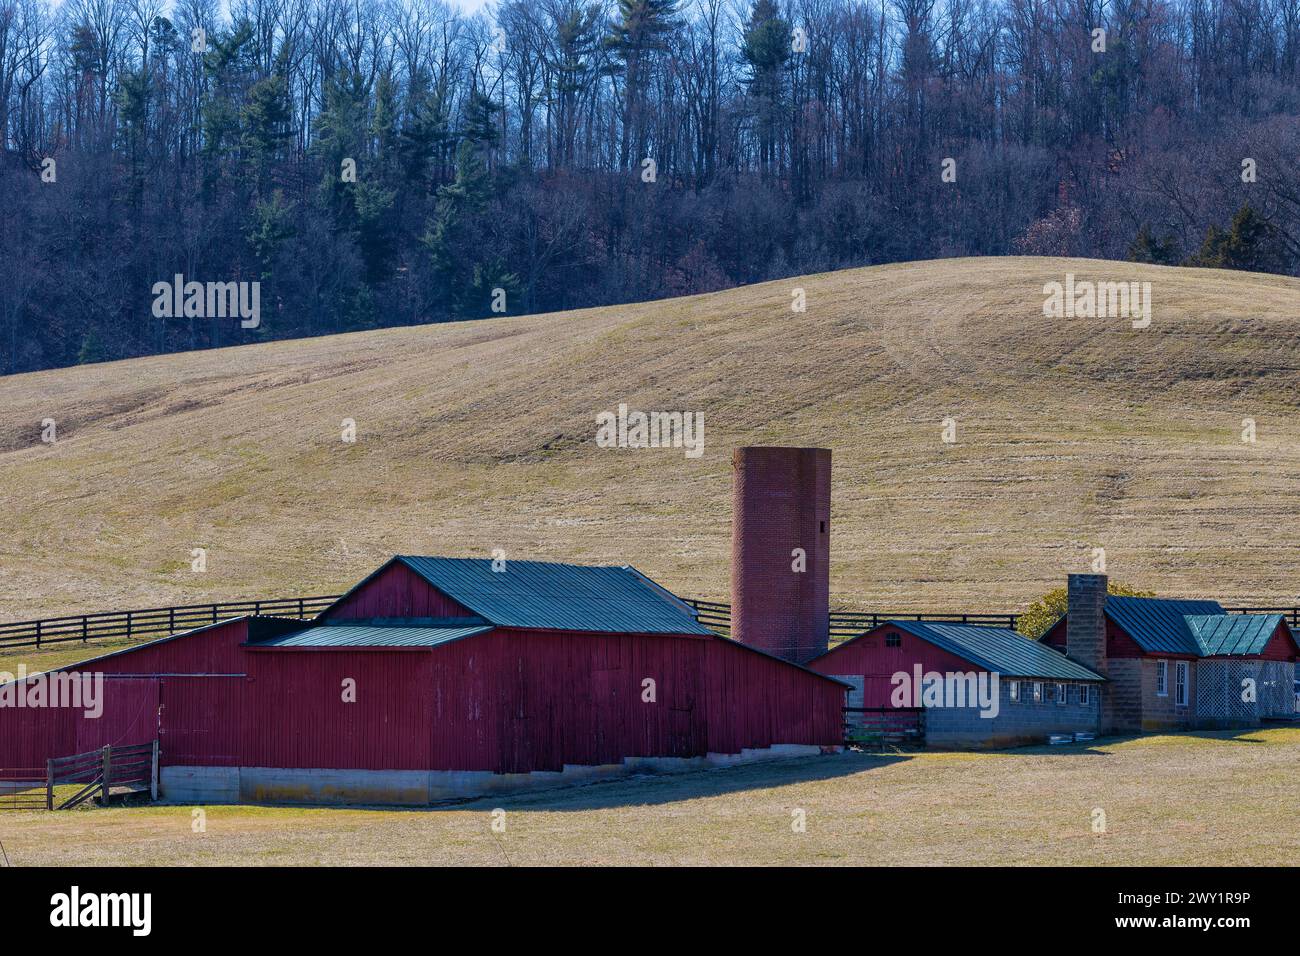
[[1209, 800], [1073, 434]]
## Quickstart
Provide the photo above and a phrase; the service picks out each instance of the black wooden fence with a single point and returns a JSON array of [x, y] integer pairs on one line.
[[150, 621], [1292, 614], [849, 624]]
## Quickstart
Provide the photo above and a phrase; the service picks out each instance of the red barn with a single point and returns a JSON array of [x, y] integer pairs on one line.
[[437, 678]]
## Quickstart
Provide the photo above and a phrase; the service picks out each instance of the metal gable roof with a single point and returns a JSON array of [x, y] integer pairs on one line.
[[1000, 649], [562, 597], [368, 635], [1157, 624], [1232, 633]]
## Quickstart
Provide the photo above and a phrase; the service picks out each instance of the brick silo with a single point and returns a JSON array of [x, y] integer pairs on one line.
[[780, 550]]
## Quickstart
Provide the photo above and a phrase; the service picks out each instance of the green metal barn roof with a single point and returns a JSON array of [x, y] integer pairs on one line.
[[1232, 633], [1000, 649], [562, 597], [1157, 624], [416, 632]]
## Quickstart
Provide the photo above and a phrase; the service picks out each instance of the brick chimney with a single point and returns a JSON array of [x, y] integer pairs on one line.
[[1085, 626], [780, 550]]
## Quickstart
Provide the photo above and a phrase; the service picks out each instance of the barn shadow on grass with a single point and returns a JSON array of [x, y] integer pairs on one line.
[[661, 788]]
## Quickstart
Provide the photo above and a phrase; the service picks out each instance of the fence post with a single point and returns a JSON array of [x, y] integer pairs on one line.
[[38, 633], [128, 623], [171, 620], [153, 776], [257, 609], [214, 614], [49, 784], [301, 611], [108, 768], [85, 628]]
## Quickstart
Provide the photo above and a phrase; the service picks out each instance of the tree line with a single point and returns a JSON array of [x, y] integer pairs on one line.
[[387, 162]]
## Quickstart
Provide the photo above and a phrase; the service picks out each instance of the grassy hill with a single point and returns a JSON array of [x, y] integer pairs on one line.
[[1072, 434]]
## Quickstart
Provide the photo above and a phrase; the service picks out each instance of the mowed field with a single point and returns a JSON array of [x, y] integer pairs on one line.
[[1072, 434], [1218, 799]]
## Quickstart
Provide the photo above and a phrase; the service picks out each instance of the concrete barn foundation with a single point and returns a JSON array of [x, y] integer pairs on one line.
[[423, 787]]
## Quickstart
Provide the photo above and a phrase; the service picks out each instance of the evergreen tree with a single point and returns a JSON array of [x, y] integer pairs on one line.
[[481, 126], [271, 225], [1251, 243], [577, 41], [92, 350], [425, 134], [265, 119], [640, 30], [1147, 248], [226, 69], [765, 50], [463, 275], [340, 136]]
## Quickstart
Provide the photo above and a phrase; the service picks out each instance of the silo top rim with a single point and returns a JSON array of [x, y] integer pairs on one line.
[[780, 448]]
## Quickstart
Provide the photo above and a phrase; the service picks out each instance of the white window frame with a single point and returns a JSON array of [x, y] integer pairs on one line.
[[1182, 678], [1162, 678], [1062, 693], [1037, 688], [1013, 690], [1085, 694]]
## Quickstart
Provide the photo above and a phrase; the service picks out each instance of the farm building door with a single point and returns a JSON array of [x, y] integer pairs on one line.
[[200, 719], [130, 715]]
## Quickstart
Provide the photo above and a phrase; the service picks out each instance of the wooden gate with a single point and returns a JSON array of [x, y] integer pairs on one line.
[[889, 725], [108, 772]]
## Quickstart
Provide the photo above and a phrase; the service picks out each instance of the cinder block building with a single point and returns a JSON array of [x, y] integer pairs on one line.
[[1039, 690], [1177, 664]]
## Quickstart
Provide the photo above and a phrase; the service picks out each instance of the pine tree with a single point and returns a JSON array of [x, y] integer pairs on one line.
[[1252, 243], [458, 271], [577, 40], [91, 349], [265, 119], [765, 50], [425, 133], [480, 124], [340, 136], [640, 30], [1147, 248]]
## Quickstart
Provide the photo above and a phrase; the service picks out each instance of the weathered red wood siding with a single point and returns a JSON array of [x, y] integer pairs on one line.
[[868, 657], [397, 591], [28, 737], [517, 701]]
